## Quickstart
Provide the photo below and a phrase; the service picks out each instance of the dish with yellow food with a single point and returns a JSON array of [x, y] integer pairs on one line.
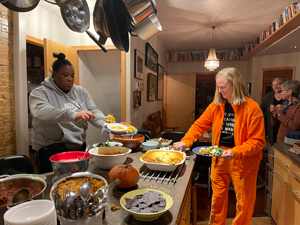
[[163, 160], [126, 130]]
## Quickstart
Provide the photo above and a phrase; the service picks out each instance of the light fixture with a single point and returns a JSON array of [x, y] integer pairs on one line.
[[212, 62]]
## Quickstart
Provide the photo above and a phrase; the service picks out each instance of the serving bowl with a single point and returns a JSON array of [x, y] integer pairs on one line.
[[163, 142], [116, 128], [112, 143], [149, 145], [129, 141], [176, 158], [108, 157], [66, 163], [145, 216]]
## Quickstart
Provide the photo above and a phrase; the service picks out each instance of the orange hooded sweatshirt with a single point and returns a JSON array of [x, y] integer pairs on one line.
[[249, 132]]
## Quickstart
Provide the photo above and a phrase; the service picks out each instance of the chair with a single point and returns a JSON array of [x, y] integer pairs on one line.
[[146, 133], [155, 124], [15, 164], [42, 156]]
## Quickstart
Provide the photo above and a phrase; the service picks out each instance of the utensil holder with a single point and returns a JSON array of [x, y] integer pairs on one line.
[[94, 220]]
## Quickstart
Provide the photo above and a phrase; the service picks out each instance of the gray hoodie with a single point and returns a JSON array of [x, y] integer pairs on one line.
[[54, 111]]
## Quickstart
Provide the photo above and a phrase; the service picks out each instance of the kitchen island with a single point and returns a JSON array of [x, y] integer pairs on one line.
[[176, 190]]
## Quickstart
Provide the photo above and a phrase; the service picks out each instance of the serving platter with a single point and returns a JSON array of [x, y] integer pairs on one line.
[[198, 148], [43, 177], [121, 134]]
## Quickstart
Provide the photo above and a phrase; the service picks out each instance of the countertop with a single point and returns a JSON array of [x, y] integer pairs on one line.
[[176, 191], [284, 149]]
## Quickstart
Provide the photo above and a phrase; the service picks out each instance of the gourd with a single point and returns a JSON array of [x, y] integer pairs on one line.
[[128, 175]]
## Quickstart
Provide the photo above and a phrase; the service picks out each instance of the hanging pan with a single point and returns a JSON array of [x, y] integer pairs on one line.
[[100, 22], [77, 17], [61, 3], [21, 5]]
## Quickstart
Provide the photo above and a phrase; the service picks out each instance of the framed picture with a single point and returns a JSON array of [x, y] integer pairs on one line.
[[249, 87], [151, 87], [137, 99], [138, 65], [160, 82], [151, 61]]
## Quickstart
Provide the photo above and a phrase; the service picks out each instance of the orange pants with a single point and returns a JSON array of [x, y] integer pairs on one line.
[[245, 191]]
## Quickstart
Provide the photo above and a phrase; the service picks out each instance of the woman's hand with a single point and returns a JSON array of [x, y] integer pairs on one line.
[[85, 115], [227, 154], [273, 109], [179, 146], [280, 109]]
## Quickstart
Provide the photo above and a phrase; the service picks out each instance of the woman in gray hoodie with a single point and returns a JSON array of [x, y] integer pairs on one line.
[[60, 109]]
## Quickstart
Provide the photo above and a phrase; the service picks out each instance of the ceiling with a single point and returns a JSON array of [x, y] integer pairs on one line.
[[187, 24]]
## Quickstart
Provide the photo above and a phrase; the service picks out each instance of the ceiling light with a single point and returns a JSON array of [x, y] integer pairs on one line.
[[212, 62]]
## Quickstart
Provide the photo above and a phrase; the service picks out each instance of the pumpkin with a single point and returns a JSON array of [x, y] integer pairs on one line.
[[128, 175]]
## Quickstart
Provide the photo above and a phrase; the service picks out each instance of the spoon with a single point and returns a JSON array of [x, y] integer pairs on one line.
[[85, 192], [21, 195], [102, 191], [86, 150]]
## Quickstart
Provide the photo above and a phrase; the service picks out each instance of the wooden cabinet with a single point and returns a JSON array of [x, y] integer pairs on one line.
[[184, 216], [286, 191]]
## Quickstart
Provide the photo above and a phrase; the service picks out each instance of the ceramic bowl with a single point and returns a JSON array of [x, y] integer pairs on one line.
[[145, 216], [132, 143], [149, 145], [66, 163], [112, 143], [116, 128], [108, 157], [163, 142]]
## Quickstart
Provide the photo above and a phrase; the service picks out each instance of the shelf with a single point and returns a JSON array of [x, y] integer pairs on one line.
[[286, 28]]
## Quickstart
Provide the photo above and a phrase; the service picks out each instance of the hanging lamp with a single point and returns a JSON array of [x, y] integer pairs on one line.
[[212, 62]]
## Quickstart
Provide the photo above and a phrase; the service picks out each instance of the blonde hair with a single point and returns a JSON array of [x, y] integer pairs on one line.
[[239, 89]]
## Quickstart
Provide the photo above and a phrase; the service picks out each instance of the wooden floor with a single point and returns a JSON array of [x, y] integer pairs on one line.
[[254, 221]]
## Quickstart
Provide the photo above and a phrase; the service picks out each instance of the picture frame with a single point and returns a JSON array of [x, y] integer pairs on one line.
[[151, 87], [151, 61], [160, 82], [249, 87], [138, 65], [137, 99]]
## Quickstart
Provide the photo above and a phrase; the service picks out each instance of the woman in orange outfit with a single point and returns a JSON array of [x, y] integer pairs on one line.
[[237, 126]]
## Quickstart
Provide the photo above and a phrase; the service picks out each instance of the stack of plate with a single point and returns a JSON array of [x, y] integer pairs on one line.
[[291, 137], [35, 212]]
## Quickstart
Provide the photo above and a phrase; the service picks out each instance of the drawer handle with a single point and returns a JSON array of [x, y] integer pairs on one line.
[[187, 214], [279, 178], [280, 162], [296, 174], [295, 193]]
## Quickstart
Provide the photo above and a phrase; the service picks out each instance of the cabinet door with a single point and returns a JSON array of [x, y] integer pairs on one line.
[[279, 199], [184, 216], [51, 47]]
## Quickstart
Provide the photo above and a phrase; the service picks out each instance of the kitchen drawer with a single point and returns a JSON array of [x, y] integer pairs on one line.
[[282, 165], [295, 173], [293, 202]]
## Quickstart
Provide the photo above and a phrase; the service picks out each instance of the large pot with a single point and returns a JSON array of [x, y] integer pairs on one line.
[[21, 182]]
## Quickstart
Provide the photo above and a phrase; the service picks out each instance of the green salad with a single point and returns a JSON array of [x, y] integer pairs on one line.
[[211, 151]]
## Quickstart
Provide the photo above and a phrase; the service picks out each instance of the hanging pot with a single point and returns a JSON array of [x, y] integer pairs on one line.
[[100, 22], [77, 17], [115, 16], [61, 3], [21, 5], [139, 10]]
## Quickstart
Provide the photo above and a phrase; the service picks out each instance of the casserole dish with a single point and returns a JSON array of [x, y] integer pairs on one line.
[[163, 160]]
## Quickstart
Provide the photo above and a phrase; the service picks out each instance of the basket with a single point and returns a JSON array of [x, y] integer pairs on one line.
[[296, 146]]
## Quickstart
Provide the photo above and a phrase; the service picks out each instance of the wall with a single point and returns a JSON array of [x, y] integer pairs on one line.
[[137, 116], [7, 101], [272, 61], [101, 77]]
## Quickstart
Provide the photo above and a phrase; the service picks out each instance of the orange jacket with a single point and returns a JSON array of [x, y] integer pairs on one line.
[[249, 131]]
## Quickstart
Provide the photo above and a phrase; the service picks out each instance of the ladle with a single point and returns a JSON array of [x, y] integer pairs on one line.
[[21, 195], [86, 150]]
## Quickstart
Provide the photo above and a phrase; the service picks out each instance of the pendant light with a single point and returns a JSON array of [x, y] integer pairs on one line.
[[212, 62]]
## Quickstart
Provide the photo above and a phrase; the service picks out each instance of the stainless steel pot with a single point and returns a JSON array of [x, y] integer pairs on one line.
[[21, 182]]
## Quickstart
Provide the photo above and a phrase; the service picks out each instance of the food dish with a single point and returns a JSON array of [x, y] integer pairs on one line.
[[162, 142], [41, 176], [116, 128], [112, 144], [208, 151], [130, 141], [145, 216], [120, 132], [163, 160], [149, 145]]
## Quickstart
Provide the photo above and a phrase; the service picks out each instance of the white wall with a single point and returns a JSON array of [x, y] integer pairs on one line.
[[272, 61], [137, 116], [100, 75]]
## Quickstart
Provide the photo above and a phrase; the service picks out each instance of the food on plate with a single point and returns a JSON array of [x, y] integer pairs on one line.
[[150, 202], [128, 175], [75, 184], [130, 129], [163, 157], [117, 128], [111, 152], [213, 150], [110, 119], [7, 193], [161, 141]]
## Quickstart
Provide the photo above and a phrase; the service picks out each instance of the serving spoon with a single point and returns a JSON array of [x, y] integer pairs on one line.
[[86, 150], [21, 195]]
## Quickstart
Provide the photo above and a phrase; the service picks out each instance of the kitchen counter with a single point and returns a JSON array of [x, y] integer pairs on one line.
[[284, 149], [176, 191]]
